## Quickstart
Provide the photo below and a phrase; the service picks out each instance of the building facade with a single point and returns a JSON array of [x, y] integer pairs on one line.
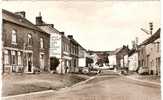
[[59, 45], [133, 61], [74, 54], [149, 54], [118, 57], [25, 46]]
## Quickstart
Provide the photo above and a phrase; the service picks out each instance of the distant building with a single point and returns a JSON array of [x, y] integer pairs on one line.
[[149, 53], [133, 60], [112, 60], [124, 61], [118, 57], [99, 56], [25, 46], [59, 45]]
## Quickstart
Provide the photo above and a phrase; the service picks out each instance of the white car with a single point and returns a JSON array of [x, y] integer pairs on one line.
[[85, 70], [143, 70]]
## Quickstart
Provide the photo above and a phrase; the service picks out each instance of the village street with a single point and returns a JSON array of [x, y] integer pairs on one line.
[[106, 86]]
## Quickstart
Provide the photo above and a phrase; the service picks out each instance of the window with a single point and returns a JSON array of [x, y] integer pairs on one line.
[[158, 47], [41, 43], [13, 36], [6, 57], [30, 39], [19, 58], [13, 53]]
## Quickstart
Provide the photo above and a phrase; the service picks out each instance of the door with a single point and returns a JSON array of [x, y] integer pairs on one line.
[[42, 61], [29, 62]]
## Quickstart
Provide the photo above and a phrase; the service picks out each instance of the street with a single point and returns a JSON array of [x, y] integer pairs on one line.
[[106, 86]]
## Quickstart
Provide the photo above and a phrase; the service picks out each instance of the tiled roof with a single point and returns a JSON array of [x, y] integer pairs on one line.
[[17, 19]]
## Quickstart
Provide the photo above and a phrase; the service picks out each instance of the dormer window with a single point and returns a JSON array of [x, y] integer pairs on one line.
[[30, 39], [41, 43], [13, 36]]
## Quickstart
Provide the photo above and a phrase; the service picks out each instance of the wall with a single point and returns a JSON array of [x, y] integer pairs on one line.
[[133, 62]]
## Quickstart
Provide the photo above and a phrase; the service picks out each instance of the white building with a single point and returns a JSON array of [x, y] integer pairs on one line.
[[59, 45], [133, 61], [112, 60]]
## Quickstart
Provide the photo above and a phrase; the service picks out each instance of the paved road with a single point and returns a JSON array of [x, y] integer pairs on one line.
[[107, 86]]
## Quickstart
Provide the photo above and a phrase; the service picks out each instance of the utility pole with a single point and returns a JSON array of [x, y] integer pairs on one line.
[[150, 31], [151, 27]]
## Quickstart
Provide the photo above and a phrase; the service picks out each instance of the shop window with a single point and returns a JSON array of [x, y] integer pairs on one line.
[[13, 53], [6, 57]]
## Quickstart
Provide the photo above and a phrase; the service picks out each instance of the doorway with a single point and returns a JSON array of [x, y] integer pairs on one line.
[[42, 61], [29, 62]]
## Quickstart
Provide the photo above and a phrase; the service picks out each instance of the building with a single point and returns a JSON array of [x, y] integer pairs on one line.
[[124, 61], [133, 60], [25, 46], [149, 53], [82, 56], [74, 54], [112, 60], [99, 57], [85, 60], [59, 45], [118, 57]]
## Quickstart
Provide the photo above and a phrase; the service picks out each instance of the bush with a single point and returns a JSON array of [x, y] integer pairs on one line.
[[54, 62]]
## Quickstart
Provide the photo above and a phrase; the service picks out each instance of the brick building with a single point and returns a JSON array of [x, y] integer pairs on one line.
[[25, 46]]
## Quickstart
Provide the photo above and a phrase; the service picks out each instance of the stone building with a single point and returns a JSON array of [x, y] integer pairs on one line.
[[59, 45], [149, 53], [25, 46]]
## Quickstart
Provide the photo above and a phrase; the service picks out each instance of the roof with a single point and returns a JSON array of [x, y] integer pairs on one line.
[[131, 52], [17, 19], [119, 50], [151, 39], [99, 52]]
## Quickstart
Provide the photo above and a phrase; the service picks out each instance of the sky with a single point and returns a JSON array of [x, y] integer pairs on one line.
[[99, 26]]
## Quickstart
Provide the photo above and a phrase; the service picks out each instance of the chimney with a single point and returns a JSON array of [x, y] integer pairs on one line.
[[51, 25], [62, 33], [21, 13], [39, 19], [70, 36]]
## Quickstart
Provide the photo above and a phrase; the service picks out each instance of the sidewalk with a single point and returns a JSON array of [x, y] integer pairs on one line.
[[150, 80]]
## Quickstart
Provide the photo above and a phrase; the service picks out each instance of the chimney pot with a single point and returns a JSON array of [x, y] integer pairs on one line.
[[51, 25], [39, 20], [70, 36], [62, 33], [21, 13]]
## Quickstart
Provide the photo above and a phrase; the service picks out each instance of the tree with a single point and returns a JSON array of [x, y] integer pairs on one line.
[[89, 61], [54, 62], [106, 60]]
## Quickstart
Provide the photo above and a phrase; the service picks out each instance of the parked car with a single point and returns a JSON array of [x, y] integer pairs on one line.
[[143, 70], [85, 70]]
